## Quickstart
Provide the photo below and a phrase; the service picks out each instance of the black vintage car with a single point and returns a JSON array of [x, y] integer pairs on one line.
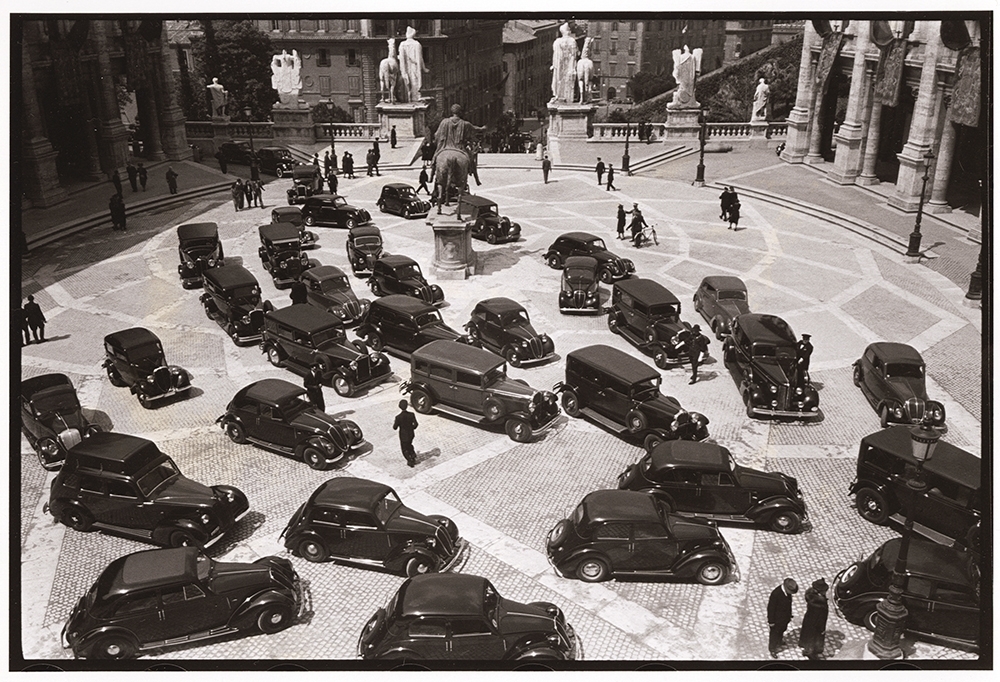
[[333, 211], [363, 522], [51, 418], [486, 221], [199, 249], [502, 326], [622, 394], [328, 288], [125, 486], [579, 291], [281, 253], [648, 316], [236, 152], [402, 324], [609, 266], [364, 247], [630, 535], [402, 199], [888, 375], [949, 508], [471, 383], [302, 337], [760, 355], [401, 275], [134, 358], [941, 592], [275, 160], [720, 299], [293, 216], [275, 415], [452, 616], [703, 479], [232, 299], [168, 597], [306, 179]]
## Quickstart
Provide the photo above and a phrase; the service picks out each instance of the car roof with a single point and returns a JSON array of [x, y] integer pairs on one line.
[[304, 170], [579, 236], [402, 303], [356, 493], [396, 260], [272, 392], [620, 505], [197, 231], [325, 199], [397, 185], [929, 559], [948, 461], [443, 594], [136, 336], [156, 567], [689, 453], [588, 262], [275, 148], [304, 317], [647, 290], [321, 272], [278, 232], [896, 352], [761, 327], [108, 450], [459, 355], [474, 200], [616, 362], [364, 231], [44, 382], [230, 276], [286, 209], [725, 282], [499, 305]]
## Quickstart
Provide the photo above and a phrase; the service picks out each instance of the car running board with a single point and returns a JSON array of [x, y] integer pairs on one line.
[[122, 530], [208, 634], [602, 420], [467, 416]]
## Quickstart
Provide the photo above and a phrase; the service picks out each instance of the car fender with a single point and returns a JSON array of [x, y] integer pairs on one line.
[[559, 387], [880, 488], [569, 563], [87, 639], [690, 562], [531, 641], [161, 534], [230, 416], [251, 604], [399, 653], [763, 509], [295, 537], [517, 414], [413, 385], [400, 555]]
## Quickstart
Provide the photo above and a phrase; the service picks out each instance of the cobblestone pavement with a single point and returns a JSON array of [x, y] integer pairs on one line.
[[504, 496]]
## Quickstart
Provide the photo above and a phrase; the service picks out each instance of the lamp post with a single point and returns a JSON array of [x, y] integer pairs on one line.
[[699, 178], [891, 614], [914, 249], [628, 134], [333, 143], [246, 115]]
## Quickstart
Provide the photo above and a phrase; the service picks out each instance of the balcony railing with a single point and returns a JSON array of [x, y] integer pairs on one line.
[[617, 131], [347, 131], [201, 130]]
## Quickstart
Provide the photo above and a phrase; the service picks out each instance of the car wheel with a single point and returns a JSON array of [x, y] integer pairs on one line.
[[279, 171], [518, 430], [342, 385], [872, 506], [418, 565], [351, 223], [115, 378], [274, 356], [313, 550], [650, 336], [697, 303], [236, 432], [310, 221], [785, 522], [606, 276], [613, 323], [375, 342], [660, 359], [314, 456], [421, 401], [491, 237], [636, 421], [712, 573], [570, 403], [553, 261], [406, 213], [883, 416], [274, 618], [651, 441], [381, 206], [512, 357], [492, 409], [592, 570], [870, 619], [182, 538], [78, 518], [114, 648], [208, 311], [857, 375]]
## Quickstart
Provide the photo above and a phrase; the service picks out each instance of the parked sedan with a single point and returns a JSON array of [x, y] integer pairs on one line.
[[51, 418], [236, 152], [328, 288], [402, 199], [720, 299], [609, 266], [888, 375], [134, 358], [502, 326], [333, 211]]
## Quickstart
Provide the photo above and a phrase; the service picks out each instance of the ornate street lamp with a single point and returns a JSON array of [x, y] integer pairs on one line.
[[246, 115], [699, 178], [333, 142], [625, 164], [891, 614], [914, 249]]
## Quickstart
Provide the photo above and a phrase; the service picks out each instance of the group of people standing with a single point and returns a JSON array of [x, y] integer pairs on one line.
[[249, 192], [729, 203], [138, 176], [600, 168], [779, 614], [33, 319]]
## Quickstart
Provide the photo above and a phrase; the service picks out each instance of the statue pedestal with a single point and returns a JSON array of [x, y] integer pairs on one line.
[[758, 128], [408, 117], [453, 254], [570, 121], [292, 125], [682, 123], [220, 132]]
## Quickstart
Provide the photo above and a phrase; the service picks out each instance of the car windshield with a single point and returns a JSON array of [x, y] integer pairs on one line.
[[208, 242], [387, 506], [646, 390], [596, 245], [332, 284], [327, 335], [407, 193], [204, 567], [664, 310], [904, 371], [339, 201], [489, 210], [61, 401], [285, 244], [293, 407], [732, 295], [249, 295], [157, 476], [282, 154], [430, 317], [580, 275], [145, 351], [408, 272], [579, 519], [368, 241], [769, 350], [494, 375], [514, 317]]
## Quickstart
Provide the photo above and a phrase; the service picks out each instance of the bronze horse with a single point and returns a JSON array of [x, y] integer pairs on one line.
[[451, 173]]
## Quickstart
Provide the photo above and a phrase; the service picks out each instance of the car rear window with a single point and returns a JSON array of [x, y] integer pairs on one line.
[[904, 370], [732, 295]]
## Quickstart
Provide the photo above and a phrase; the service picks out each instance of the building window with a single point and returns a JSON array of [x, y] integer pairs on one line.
[[595, 48], [275, 25], [354, 86], [380, 27], [322, 57], [352, 57], [631, 47], [354, 25], [614, 47], [613, 69], [632, 26], [324, 86], [631, 70], [614, 25]]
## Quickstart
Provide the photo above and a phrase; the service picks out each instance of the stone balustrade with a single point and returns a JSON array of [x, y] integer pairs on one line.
[[617, 131], [347, 131]]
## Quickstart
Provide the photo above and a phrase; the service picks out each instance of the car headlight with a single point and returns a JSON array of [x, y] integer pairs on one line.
[[353, 365], [149, 379], [798, 390], [230, 496], [774, 403], [339, 312], [304, 259], [774, 389], [936, 413], [283, 264], [431, 542], [524, 344], [898, 412], [211, 262], [544, 338], [204, 519]]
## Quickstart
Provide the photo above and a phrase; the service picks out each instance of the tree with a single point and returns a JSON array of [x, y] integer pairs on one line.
[[328, 112], [239, 55], [645, 84]]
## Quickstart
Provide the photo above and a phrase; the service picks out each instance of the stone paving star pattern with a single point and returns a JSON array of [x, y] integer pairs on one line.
[[505, 497]]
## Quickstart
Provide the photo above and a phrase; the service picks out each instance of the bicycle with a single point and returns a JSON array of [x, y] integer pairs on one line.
[[646, 235]]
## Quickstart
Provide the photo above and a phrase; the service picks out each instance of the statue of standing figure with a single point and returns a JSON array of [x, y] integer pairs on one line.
[[687, 66], [564, 53], [388, 74], [220, 97], [411, 66], [584, 70], [286, 78], [760, 99]]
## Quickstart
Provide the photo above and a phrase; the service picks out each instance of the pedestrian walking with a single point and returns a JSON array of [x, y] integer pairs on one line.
[[35, 318], [236, 189], [779, 614], [649, 133], [248, 192], [254, 167], [621, 221], [298, 292], [113, 210], [611, 179], [120, 210], [171, 180], [803, 352], [369, 161], [600, 171], [331, 179], [350, 165], [725, 200], [326, 163], [813, 634], [313, 383], [423, 181], [697, 349], [406, 424], [638, 222], [258, 192], [546, 167], [734, 216], [223, 164], [376, 156], [392, 137], [24, 325], [316, 159], [143, 176], [133, 176], [116, 180]]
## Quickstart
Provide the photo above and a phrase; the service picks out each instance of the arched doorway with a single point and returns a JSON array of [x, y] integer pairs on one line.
[[611, 94], [894, 131], [968, 167]]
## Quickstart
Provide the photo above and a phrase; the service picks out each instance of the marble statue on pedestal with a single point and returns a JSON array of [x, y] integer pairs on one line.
[[687, 66], [760, 99], [584, 70], [220, 97], [411, 66], [286, 77], [388, 74], [564, 52]]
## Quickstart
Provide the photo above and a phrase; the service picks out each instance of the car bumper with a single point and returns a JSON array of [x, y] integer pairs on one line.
[[535, 430], [461, 551], [795, 414], [596, 308], [168, 393]]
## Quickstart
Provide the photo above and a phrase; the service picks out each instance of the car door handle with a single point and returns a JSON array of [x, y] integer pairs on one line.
[[163, 615]]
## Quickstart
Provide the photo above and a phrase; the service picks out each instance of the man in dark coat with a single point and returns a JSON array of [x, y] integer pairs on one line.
[[171, 180], [143, 176], [423, 181], [331, 179], [600, 171], [813, 634], [638, 222], [621, 221], [376, 155], [298, 292], [697, 345], [35, 318], [350, 165], [803, 351], [392, 137], [326, 163], [120, 210], [725, 199], [344, 162], [546, 167], [24, 326], [370, 161], [236, 189], [734, 214], [406, 424], [316, 159], [113, 209], [611, 179], [248, 192], [258, 192], [133, 176], [116, 180], [254, 167], [779, 614], [313, 383], [221, 158]]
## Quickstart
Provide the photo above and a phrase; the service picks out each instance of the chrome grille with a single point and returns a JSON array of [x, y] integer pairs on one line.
[[256, 319], [579, 297], [161, 377], [352, 309], [69, 438], [535, 344]]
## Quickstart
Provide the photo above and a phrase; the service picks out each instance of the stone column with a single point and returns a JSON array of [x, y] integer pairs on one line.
[[946, 152], [816, 128], [150, 121], [850, 137], [39, 176], [871, 135], [922, 127], [113, 133], [797, 140], [175, 144]]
